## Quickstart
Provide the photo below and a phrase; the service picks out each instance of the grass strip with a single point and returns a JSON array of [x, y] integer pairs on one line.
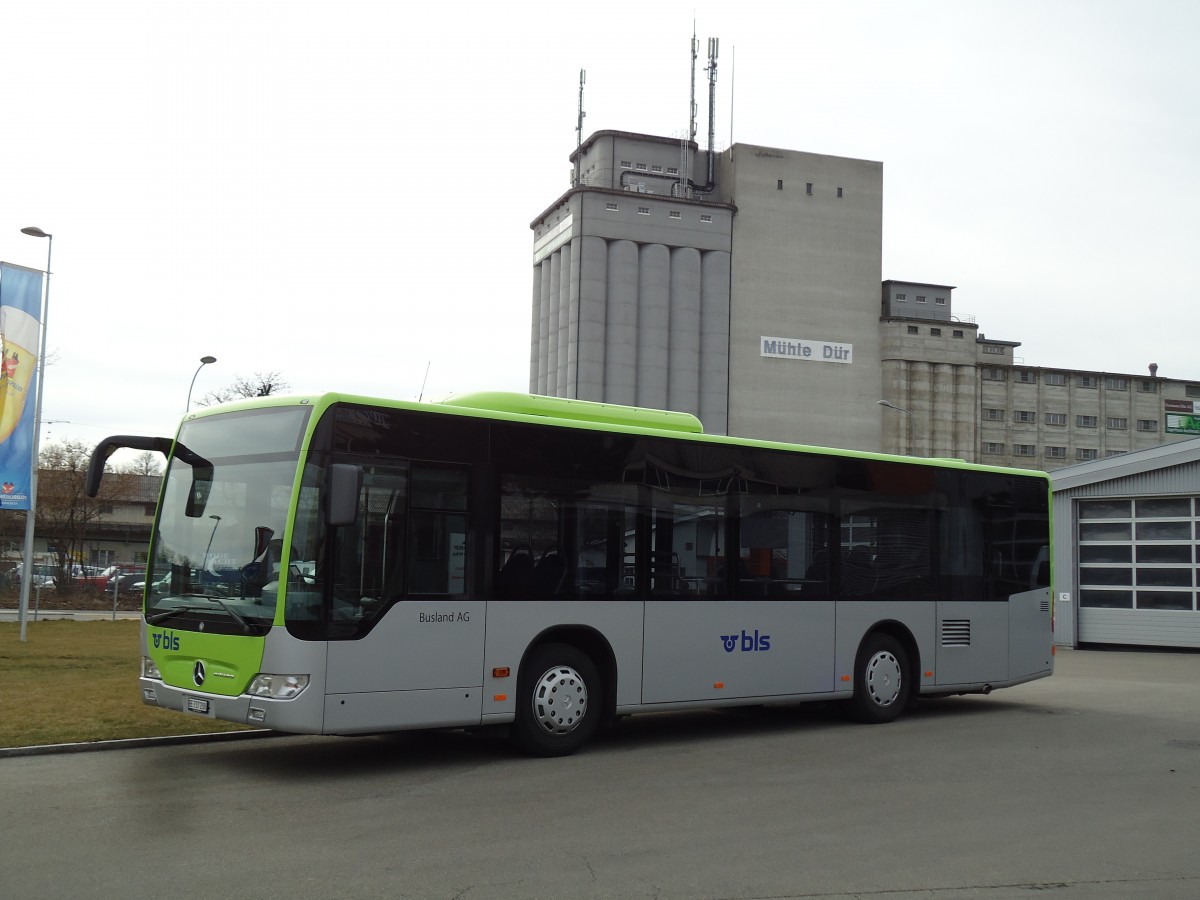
[[73, 682]]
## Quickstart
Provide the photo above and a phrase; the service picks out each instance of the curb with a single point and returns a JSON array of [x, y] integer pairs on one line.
[[134, 743]]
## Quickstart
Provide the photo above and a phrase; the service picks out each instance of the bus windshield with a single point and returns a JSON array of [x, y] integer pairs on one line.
[[217, 546]]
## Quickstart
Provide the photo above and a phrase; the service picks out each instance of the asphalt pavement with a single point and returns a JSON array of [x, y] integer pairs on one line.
[[1083, 785]]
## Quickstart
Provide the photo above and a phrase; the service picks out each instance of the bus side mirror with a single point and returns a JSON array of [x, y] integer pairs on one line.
[[111, 445], [342, 485]]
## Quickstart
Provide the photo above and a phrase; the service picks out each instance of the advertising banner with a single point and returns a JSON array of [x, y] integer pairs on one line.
[[1182, 424], [20, 323]]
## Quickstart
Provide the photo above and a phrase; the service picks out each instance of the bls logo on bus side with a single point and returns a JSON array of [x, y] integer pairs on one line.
[[748, 643]]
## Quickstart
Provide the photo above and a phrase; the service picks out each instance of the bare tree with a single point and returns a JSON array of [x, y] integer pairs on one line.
[[64, 511], [145, 463], [263, 384]]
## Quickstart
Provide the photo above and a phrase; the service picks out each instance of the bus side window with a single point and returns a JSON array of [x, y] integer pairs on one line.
[[438, 529], [784, 549], [561, 539], [687, 544]]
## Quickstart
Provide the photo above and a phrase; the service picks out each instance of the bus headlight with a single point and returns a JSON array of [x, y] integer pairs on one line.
[[278, 687], [150, 670]]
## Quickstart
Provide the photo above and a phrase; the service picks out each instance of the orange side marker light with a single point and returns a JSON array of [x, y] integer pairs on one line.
[[845, 678], [719, 685], [500, 698], [500, 672]]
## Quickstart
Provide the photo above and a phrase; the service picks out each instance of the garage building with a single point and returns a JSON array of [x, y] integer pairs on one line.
[[1125, 539]]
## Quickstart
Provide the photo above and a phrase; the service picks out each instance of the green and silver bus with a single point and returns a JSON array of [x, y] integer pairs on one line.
[[341, 565]]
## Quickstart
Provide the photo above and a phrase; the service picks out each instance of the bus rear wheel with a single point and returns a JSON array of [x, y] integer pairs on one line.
[[558, 701], [882, 686]]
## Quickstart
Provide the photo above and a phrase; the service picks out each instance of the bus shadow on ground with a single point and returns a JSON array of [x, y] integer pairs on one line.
[[334, 758]]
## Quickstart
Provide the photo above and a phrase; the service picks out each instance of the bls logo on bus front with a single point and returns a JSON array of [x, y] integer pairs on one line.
[[165, 641], [749, 643]]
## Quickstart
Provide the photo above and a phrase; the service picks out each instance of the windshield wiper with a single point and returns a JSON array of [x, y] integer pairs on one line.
[[168, 613]]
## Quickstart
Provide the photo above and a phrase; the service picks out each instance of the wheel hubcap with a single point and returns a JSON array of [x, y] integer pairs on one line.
[[884, 678], [559, 700]]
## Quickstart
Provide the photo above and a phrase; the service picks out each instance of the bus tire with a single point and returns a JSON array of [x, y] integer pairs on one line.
[[559, 702], [882, 682]]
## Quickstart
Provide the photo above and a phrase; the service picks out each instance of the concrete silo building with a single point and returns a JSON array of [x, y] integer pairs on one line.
[[640, 298]]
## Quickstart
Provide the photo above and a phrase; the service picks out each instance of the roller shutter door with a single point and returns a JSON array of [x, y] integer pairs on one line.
[[1137, 571]]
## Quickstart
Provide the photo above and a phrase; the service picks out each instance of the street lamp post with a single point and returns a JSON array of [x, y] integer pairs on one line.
[[204, 361], [27, 568], [908, 431]]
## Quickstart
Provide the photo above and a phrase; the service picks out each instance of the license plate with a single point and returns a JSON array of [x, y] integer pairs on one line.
[[197, 706]]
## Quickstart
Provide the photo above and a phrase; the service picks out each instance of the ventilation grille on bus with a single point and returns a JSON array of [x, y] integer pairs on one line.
[[1045, 607], [956, 632]]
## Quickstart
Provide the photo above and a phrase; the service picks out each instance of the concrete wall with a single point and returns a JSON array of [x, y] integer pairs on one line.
[[806, 265], [929, 369], [916, 300]]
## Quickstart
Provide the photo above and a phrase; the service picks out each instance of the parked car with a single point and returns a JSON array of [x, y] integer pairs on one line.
[[94, 576], [123, 581], [43, 575]]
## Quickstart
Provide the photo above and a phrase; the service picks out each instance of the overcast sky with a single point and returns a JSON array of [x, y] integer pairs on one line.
[[341, 192]]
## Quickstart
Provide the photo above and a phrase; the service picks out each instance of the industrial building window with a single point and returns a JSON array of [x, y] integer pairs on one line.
[[672, 170], [958, 332], [993, 449], [1056, 453], [1059, 378], [839, 192], [1085, 421], [1147, 424], [913, 329], [641, 167], [643, 210], [994, 374], [626, 164], [1193, 390], [1085, 453], [1116, 384], [675, 214], [1024, 450], [1025, 415], [1027, 376], [994, 415], [935, 332], [901, 298], [1148, 387], [1115, 452], [1056, 418], [939, 301], [779, 185], [1117, 423], [656, 168], [705, 218], [808, 189], [1086, 381], [920, 299], [992, 348]]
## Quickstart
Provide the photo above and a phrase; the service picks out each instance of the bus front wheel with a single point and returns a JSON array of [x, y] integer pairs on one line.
[[558, 701], [882, 685]]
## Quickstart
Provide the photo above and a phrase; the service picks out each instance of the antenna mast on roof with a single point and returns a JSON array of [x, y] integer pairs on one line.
[[685, 146], [712, 109], [579, 125]]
